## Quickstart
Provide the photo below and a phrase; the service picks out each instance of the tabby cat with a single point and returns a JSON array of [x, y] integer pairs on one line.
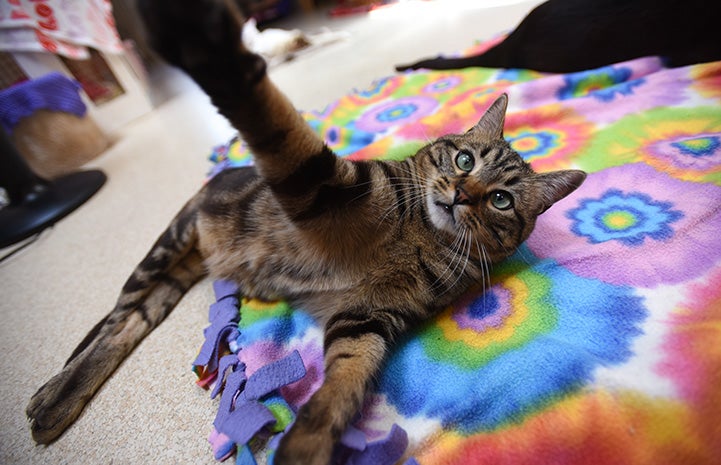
[[371, 247]]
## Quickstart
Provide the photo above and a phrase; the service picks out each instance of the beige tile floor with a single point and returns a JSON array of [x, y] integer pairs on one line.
[[54, 291]]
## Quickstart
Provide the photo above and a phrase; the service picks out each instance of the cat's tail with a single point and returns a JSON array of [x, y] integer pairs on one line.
[[156, 285]]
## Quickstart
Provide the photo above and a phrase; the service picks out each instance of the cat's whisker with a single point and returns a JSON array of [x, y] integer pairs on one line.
[[502, 245], [408, 185], [460, 254], [463, 254], [387, 212], [413, 201], [481, 259], [467, 254], [461, 244], [488, 265], [484, 275], [415, 174], [523, 256], [485, 271], [429, 141], [450, 254]]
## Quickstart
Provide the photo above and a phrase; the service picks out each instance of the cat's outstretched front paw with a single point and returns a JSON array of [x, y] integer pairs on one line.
[[203, 38], [188, 33]]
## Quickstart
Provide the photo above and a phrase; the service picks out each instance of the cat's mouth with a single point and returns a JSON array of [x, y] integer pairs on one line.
[[447, 209], [444, 215]]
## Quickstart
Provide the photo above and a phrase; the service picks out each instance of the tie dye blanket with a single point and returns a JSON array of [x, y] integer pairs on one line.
[[600, 339]]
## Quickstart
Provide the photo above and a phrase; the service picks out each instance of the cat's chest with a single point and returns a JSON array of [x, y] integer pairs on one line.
[[283, 262], [281, 265]]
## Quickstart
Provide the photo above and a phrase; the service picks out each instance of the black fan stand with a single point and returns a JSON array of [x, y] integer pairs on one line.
[[36, 203]]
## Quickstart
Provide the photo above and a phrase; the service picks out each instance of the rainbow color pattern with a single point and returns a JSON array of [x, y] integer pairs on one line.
[[599, 340]]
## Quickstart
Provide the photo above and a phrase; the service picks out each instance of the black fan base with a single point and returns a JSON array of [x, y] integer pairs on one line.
[[49, 203]]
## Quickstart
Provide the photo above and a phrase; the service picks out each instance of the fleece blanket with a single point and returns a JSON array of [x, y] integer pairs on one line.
[[599, 340]]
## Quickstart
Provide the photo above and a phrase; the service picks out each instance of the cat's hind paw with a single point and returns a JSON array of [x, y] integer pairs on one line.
[[54, 407]]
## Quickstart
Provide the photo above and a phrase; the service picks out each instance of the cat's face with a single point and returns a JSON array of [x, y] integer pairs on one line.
[[481, 194]]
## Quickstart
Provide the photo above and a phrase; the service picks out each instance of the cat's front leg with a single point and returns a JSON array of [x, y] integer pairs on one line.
[[351, 364]]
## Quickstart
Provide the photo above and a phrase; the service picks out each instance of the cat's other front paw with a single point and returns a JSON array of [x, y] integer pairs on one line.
[[303, 446], [310, 441]]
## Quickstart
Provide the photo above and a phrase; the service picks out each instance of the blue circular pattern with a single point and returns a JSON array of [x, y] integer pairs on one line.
[[698, 147], [391, 114], [484, 306], [332, 135], [595, 326], [603, 83], [623, 88], [627, 218], [442, 85], [396, 113], [530, 144]]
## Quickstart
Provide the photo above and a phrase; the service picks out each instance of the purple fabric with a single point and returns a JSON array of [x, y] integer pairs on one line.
[[223, 289], [241, 415], [225, 363], [215, 335], [274, 376], [354, 438], [221, 445], [54, 92], [233, 383], [223, 316], [225, 310], [245, 421]]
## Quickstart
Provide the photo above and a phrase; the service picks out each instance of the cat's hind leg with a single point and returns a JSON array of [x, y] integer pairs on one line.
[[171, 267]]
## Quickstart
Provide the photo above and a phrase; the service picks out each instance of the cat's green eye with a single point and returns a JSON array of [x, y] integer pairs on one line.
[[465, 161], [502, 200]]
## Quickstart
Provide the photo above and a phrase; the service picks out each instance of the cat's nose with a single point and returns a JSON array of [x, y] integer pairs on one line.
[[462, 197]]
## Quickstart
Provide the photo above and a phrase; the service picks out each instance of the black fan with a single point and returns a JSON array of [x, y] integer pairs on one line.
[[37, 203]]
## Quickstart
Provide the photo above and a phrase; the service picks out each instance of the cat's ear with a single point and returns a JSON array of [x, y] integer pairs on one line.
[[491, 123], [555, 185]]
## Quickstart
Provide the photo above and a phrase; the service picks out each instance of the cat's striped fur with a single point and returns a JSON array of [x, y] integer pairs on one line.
[[372, 248]]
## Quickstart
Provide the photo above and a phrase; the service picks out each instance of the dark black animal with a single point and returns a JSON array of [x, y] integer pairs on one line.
[[563, 36]]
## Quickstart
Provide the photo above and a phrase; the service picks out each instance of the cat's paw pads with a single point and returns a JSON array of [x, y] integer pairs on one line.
[[203, 37], [192, 33]]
